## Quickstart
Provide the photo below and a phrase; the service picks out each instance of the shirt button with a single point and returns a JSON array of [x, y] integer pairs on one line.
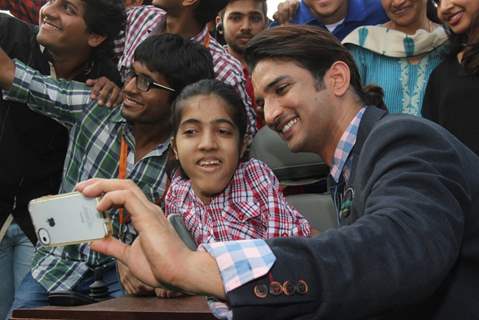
[[260, 290], [302, 287], [275, 288], [288, 288]]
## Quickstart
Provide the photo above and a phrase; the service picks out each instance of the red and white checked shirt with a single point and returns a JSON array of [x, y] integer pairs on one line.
[[26, 10], [251, 207], [143, 20], [140, 22]]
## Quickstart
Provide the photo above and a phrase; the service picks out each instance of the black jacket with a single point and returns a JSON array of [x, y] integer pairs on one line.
[[408, 247], [32, 146]]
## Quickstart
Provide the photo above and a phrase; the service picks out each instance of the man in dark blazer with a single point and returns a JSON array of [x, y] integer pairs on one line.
[[406, 192]]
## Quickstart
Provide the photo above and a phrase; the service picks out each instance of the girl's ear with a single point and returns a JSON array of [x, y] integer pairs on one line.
[[244, 145], [173, 147]]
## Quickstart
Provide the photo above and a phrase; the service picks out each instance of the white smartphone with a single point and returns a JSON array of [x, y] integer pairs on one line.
[[68, 218]]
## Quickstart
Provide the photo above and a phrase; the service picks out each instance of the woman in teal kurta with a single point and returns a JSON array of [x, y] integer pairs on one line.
[[399, 57]]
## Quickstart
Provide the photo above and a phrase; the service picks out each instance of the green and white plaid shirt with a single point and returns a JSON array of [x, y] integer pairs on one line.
[[93, 151]]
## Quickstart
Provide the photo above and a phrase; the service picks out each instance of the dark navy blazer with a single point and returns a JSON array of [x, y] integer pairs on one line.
[[409, 247]]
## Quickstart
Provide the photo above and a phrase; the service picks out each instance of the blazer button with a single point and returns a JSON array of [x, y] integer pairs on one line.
[[275, 288], [302, 287], [288, 288], [260, 291]]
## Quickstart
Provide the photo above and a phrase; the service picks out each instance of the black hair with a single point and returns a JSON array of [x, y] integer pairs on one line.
[[207, 10], [106, 18], [264, 9], [313, 49], [467, 43], [181, 61], [226, 92]]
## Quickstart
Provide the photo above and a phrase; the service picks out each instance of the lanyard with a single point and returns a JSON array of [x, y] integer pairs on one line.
[[122, 173], [206, 41]]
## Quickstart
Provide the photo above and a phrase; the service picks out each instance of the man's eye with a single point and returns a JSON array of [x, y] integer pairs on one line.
[[235, 18], [282, 89], [69, 9], [256, 19]]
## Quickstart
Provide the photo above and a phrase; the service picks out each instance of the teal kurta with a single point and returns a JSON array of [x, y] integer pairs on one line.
[[381, 55]]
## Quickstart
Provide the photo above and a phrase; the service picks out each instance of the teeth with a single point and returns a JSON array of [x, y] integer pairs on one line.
[[289, 125], [209, 162]]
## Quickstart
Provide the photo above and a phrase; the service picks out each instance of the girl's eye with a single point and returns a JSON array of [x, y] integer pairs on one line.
[[189, 132], [225, 131]]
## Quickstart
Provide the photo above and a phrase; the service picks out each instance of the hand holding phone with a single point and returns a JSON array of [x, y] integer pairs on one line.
[[68, 218]]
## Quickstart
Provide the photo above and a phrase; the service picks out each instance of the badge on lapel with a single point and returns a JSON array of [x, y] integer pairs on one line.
[[346, 203]]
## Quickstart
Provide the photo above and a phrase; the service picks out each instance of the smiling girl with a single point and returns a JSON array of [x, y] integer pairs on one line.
[[452, 92], [220, 196]]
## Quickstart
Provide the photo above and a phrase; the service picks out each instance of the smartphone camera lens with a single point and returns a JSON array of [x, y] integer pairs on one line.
[[44, 236]]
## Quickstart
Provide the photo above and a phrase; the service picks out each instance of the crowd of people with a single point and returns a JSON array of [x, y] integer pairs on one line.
[[152, 106]]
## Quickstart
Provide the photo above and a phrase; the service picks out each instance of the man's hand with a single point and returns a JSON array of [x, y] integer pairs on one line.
[[131, 284], [286, 11], [105, 92], [157, 257], [7, 70]]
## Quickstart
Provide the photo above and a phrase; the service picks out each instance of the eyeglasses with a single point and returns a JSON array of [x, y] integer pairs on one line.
[[143, 83]]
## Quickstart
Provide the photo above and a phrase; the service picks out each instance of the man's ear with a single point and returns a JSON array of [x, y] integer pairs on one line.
[[94, 40], [338, 78]]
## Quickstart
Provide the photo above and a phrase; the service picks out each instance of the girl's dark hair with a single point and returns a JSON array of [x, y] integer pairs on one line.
[[467, 43], [181, 61], [227, 93], [106, 18], [312, 48]]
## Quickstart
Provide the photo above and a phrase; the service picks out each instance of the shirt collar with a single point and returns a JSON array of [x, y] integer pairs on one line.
[[345, 145], [200, 37]]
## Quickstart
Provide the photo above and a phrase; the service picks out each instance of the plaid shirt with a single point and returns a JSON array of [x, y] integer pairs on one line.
[[251, 207], [342, 160], [242, 261], [144, 20], [93, 151], [140, 22], [26, 10]]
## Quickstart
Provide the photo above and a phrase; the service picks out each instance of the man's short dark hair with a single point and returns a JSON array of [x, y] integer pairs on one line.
[[312, 48], [264, 9], [106, 18], [181, 61], [206, 10]]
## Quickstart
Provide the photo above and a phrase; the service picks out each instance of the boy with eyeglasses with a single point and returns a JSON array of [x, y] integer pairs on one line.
[[102, 141]]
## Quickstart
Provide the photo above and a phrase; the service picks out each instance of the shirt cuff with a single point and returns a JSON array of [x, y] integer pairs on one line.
[[240, 261], [22, 79]]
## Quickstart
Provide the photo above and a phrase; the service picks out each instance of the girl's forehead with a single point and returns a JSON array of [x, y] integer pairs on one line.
[[205, 108]]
